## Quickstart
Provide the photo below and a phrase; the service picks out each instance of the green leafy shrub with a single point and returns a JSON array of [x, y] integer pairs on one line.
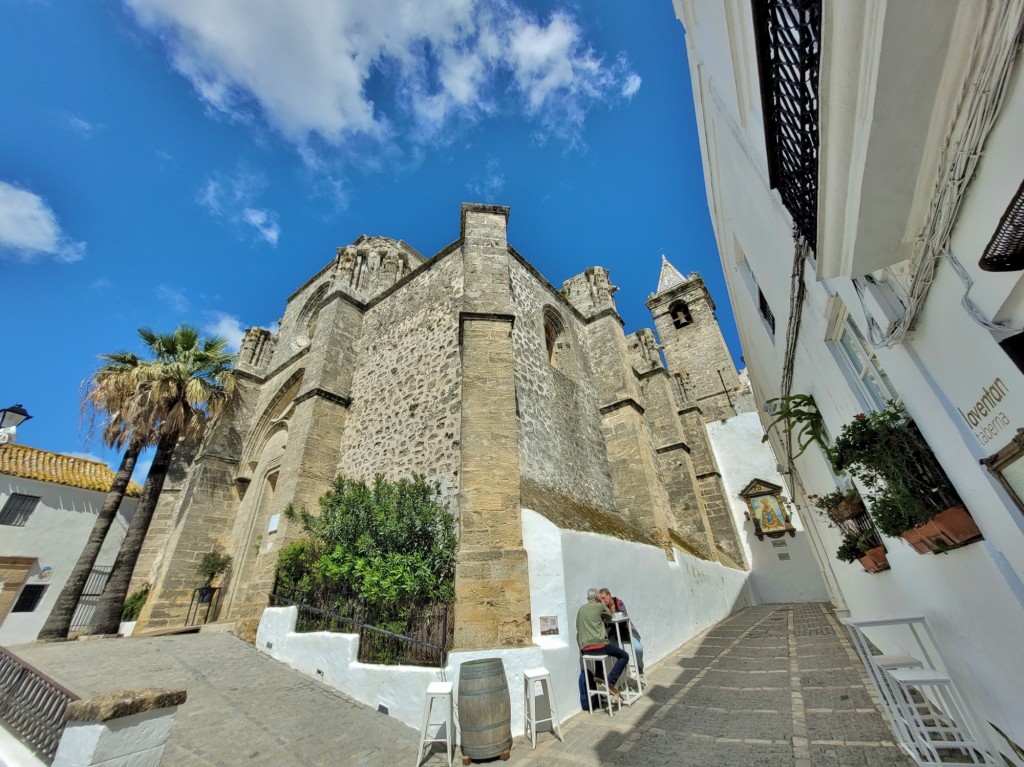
[[392, 543], [213, 564], [134, 603]]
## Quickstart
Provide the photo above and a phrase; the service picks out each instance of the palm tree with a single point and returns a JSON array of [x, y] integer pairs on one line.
[[175, 395], [105, 399]]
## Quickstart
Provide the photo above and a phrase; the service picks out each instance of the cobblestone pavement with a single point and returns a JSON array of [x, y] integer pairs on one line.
[[776, 685], [243, 708]]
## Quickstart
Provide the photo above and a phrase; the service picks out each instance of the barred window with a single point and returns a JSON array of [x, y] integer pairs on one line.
[[29, 599], [766, 310], [18, 509]]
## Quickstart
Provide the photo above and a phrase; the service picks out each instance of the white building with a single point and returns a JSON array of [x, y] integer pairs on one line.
[[48, 504], [870, 221]]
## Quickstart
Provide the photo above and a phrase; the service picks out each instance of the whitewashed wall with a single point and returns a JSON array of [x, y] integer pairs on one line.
[[671, 602], [742, 458], [972, 597], [54, 535]]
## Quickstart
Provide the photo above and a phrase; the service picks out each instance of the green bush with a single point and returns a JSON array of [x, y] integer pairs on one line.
[[213, 564], [392, 543], [134, 603]]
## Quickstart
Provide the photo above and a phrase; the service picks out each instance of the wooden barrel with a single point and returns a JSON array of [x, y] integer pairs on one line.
[[485, 709]]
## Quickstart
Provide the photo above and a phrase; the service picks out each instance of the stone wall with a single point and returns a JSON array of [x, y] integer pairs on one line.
[[406, 393], [560, 442]]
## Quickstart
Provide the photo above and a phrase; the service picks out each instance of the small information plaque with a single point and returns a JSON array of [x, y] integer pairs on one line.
[[548, 625]]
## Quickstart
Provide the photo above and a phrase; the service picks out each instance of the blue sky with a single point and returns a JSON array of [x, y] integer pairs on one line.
[[169, 161]]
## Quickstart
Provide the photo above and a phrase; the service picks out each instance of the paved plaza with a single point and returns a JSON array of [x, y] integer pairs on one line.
[[776, 685]]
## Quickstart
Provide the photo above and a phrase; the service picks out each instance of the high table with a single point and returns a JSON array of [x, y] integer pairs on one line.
[[632, 673]]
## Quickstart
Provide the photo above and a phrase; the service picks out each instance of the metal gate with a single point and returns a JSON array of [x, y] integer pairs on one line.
[[90, 596]]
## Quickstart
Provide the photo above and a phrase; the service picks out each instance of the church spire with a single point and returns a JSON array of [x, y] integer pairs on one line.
[[670, 276]]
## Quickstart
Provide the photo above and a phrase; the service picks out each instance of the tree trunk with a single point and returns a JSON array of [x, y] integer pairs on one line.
[[107, 617], [58, 624]]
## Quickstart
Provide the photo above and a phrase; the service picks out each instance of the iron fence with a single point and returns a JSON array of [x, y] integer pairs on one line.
[[32, 705], [90, 597], [417, 635]]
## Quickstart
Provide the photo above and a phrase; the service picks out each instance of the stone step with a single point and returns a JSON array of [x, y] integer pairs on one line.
[[170, 631], [220, 627]]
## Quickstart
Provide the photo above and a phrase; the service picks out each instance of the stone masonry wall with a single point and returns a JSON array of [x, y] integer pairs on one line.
[[405, 410], [561, 446]]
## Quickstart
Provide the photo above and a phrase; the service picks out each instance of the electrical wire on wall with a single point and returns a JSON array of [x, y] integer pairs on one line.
[[992, 58], [797, 291]]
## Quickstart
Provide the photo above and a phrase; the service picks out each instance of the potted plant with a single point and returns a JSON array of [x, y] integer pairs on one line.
[[839, 505], [865, 547], [210, 566], [132, 607], [911, 496]]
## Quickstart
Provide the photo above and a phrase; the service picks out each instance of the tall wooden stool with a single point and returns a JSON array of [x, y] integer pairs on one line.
[[531, 678], [590, 661], [441, 692]]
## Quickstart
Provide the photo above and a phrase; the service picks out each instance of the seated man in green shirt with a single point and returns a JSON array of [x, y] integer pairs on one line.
[[592, 636]]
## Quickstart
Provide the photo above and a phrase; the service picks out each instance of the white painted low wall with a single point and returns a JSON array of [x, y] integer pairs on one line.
[[670, 602]]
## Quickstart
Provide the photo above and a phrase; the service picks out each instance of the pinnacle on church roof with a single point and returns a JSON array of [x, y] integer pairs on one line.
[[670, 276]]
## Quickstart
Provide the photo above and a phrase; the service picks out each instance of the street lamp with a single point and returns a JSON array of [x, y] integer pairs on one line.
[[10, 417]]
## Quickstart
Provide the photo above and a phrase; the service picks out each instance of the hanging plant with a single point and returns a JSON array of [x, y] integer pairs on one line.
[[800, 420]]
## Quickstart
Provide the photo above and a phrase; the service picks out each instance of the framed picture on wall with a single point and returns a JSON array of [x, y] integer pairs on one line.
[[1007, 466]]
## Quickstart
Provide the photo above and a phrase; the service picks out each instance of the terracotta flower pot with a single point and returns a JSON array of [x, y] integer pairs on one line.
[[953, 526], [947, 529], [847, 509], [918, 542], [874, 560]]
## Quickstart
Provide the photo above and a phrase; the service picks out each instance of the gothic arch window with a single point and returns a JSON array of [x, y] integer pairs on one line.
[[680, 313], [556, 339], [306, 324]]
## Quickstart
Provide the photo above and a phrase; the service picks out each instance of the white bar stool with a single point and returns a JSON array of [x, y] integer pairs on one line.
[[442, 692], [531, 677], [590, 662]]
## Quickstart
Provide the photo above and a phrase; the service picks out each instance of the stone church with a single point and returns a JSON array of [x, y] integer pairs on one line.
[[470, 368]]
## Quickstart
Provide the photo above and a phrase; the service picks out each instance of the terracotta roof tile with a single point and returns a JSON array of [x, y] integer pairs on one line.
[[32, 463]]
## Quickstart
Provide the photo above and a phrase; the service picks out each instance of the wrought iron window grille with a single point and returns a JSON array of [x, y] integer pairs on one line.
[[788, 39], [1005, 251], [766, 310]]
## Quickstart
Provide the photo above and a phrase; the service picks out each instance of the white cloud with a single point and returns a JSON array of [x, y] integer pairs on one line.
[[324, 74], [221, 324], [263, 222], [230, 327], [172, 297], [233, 196], [488, 185], [81, 126], [631, 86], [29, 228]]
